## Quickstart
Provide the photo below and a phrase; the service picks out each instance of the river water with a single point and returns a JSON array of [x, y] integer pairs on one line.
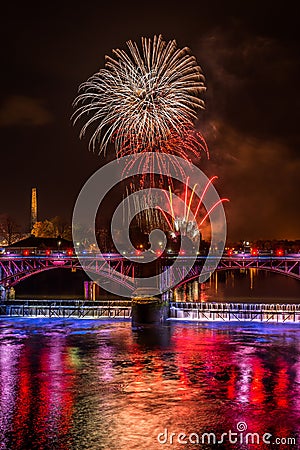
[[96, 384]]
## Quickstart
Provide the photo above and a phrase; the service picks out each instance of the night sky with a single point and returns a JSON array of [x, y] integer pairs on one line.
[[249, 53]]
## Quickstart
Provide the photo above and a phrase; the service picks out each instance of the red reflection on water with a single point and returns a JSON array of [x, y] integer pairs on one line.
[[282, 385], [36, 395], [55, 393], [22, 410], [131, 386], [9, 355], [237, 373], [231, 385], [257, 393]]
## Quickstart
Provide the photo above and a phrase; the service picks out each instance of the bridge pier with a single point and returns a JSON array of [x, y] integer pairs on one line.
[[2, 288], [2, 293], [147, 308], [91, 290]]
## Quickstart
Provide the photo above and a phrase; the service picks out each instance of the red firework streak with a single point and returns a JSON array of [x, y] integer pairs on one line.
[[186, 143], [180, 221]]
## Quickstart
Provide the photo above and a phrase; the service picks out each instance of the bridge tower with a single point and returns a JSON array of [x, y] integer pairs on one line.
[[33, 208]]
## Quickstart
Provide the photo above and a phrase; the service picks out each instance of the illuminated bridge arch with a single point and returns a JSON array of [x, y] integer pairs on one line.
[[17, 269], [287, 266], [14, 269]]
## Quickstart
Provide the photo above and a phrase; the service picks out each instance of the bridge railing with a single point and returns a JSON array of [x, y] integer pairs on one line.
[[67, 303], [236, 307]]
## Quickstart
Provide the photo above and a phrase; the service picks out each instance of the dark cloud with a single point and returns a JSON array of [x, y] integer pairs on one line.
[[24, 111], [252, 129], [261, 178], [252, 81]]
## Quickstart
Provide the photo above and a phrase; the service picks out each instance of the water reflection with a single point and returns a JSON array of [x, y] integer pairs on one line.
[[9, 367], [36, 392], [101, 385]]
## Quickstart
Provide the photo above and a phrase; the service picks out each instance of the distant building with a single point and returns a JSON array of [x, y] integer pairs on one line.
[[34, 244], [33, 219]]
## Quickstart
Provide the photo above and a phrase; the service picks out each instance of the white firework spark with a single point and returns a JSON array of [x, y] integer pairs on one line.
[[142, 96]]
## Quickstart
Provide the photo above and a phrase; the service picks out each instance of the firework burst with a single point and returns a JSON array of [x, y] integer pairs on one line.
[[187, 146], [179, 221], [141, 98], [177, 217]]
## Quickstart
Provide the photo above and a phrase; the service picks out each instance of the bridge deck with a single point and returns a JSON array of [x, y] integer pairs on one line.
[[121, 271]]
